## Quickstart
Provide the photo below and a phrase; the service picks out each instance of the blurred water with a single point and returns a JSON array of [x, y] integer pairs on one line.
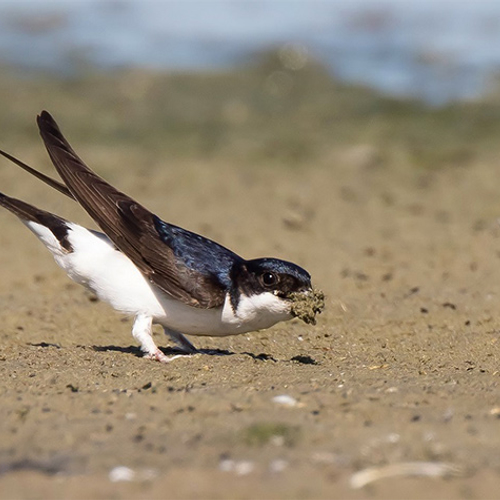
[[436, 50]]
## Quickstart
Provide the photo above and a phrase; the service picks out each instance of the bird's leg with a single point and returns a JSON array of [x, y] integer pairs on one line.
[[181, 341], [141, 331]]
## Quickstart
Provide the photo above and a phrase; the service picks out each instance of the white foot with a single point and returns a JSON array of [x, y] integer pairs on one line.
[[142, 333], [161, 357]]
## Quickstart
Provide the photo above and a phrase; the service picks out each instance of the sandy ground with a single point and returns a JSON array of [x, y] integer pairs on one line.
[[403, 365]]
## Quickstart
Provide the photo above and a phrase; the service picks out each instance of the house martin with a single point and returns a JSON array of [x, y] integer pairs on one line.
[[153, 270]]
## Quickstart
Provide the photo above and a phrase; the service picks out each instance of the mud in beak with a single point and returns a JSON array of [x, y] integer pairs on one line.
[[305, 305]]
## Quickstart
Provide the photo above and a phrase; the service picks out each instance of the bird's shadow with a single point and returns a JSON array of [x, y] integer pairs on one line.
[[172, 351], [168, 351]]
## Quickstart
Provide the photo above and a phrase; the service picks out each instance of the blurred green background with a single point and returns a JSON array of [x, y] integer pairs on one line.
[[256, 81]]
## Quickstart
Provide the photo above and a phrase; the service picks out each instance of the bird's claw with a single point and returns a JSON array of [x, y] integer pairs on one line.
[[161, 357]]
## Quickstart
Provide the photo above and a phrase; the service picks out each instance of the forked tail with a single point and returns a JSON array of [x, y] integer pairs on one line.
[[59, 186], [29, 214]]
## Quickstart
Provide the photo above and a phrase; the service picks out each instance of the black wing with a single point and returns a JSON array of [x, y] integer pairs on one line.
[[140, 234]]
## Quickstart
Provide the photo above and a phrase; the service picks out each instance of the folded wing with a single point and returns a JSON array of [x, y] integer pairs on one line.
[[183, 265]]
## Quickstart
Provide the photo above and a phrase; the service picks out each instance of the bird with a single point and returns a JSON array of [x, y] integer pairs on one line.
[[152, 270]]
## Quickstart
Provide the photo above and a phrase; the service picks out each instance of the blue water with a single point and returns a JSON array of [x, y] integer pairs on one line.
[[436, 50]]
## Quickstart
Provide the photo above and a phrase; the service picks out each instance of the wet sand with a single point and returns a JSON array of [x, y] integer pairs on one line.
[[403, 365]]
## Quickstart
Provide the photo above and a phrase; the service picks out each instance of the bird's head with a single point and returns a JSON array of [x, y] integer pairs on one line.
[[277, 277], [270, 288]]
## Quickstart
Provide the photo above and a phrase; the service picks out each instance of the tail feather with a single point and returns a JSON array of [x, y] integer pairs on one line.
[[28, 213], [59, 186]]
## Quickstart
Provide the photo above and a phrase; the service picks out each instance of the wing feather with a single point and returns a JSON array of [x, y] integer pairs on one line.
[[133, 228]]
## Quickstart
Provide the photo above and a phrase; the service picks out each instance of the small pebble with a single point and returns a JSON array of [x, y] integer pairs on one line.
[[285, 400], [495, 411], [121, 473], [278, 465], [244, 467], [241, 468], [226, 465]]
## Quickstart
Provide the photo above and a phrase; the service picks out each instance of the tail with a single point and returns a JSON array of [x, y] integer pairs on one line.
[[39, 221], [59, 186]]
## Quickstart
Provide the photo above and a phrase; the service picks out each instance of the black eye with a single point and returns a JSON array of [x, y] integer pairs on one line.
[[269, 279]]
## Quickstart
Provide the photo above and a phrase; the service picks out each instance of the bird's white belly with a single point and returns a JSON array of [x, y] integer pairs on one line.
[[112, 276], [224, 320]]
